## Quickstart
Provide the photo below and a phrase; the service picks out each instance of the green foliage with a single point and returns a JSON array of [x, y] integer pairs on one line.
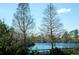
[[4, 36], [63, 51], [57, 51], [68, 51], [74, 32], [7, 42]]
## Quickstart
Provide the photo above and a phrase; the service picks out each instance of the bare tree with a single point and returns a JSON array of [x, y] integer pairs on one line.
[[50, 25], [23, 21]]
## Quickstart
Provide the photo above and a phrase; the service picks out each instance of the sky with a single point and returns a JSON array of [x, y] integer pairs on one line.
[[67, 13]]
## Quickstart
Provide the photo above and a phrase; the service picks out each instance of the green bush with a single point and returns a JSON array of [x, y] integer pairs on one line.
[[58, 51]]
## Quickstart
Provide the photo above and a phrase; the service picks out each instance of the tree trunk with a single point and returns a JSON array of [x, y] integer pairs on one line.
[[24, 41], [52, 43], [51, 36]]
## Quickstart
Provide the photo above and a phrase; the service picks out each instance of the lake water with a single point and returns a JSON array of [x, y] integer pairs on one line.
[[39, 46]]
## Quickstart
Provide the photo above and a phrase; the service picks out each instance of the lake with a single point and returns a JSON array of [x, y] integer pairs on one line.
[[40, 46]]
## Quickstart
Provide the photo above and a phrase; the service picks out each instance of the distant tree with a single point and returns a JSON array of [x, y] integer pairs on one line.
[[23, 21], [50, 23], [66, 37], [74, 33]]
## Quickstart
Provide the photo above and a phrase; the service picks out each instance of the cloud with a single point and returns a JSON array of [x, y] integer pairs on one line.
[[64, 10]]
